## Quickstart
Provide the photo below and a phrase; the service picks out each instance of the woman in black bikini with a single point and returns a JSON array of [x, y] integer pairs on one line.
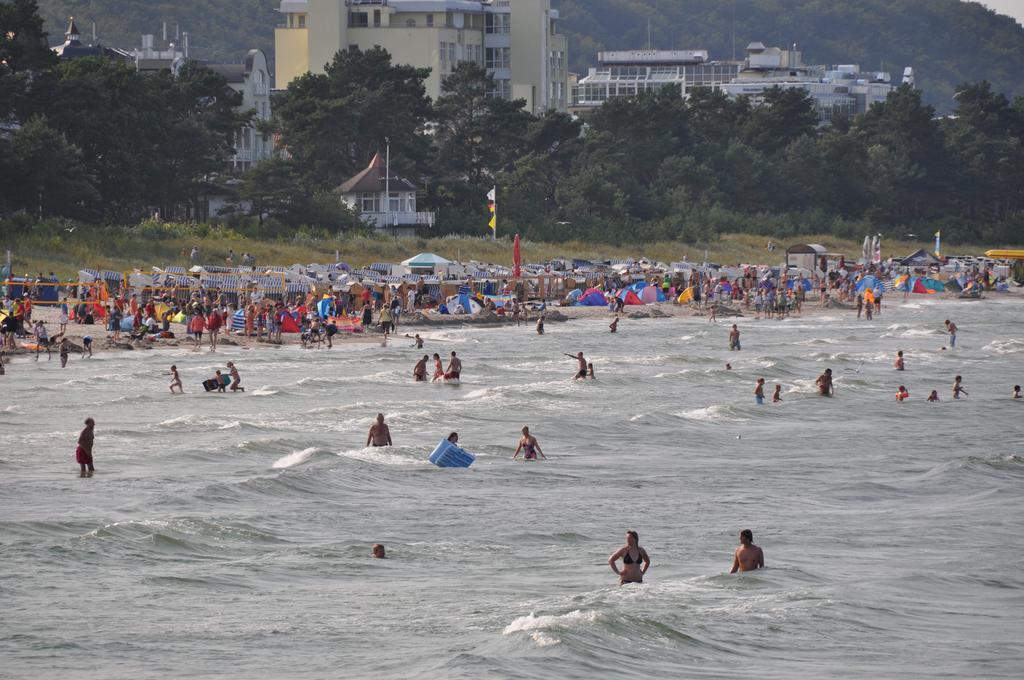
[[633, 556]]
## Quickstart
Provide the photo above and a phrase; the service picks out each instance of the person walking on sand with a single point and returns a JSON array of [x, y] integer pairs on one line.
[[197, 326], [581, 374], [176, 380], [747, 557], [236, 380], [529, 446], [213, 323], [635, 560], [379, 434], [951, 329], [83, 453]]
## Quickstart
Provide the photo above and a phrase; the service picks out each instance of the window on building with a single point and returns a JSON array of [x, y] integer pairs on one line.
[[376, 17], [443, 52], [451, 53], [430, 20], [410, 23], [497, 23], [498, 57], [302, 21], [358, 20], [369, 203], [502, 89]]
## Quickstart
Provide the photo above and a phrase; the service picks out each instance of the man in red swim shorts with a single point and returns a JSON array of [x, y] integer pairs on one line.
[[83, 454]]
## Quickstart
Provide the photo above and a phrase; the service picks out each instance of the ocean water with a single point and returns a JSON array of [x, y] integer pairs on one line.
[[227, 536]]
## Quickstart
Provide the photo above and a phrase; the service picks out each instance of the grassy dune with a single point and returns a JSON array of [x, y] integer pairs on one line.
[[122, 250]]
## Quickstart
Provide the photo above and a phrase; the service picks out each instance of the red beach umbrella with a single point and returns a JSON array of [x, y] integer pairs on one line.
[[517, 258]]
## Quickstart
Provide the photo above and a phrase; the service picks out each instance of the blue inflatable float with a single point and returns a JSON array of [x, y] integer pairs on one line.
[[448, 455]]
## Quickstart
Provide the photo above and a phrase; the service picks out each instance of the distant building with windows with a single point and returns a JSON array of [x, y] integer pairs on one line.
[[838, 91], [517, 41], [842, 90], [384, 199], [252, 79], [628, 73]]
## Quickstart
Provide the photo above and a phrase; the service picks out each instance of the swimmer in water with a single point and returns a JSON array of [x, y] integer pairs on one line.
[[1016, 392], [438, 368], [454, 368], [958, 388], [734, 339], [951, 329], [540, 325], [902, 394], [614, 325], [777, 394], [219, 379], [176, 380], [581, 374], [748, 556], [824, 383], [529, 446], [236, 380], [453, 437], [728, 367], [377, 551], [759, 391], [934, 396], [83, 454], [419, 341], [632, 556], [590, 371], [899, 366], [380, 434], [419, 371]]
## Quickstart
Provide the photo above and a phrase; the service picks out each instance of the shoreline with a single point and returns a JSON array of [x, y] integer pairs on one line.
[[425, 321]]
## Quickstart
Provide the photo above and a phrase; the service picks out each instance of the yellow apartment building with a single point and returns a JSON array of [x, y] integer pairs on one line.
[[517, 41]]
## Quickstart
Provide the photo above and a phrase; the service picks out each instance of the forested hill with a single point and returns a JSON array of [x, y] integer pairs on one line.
[[948, 42], [218, 30]]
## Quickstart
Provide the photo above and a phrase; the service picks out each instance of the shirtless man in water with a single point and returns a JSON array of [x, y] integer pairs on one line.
[[824, 383], [419, 371], [379, 434], [581, 374], [454, 370], [748, 556]]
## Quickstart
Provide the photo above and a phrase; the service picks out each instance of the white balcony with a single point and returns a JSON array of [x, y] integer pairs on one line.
[[383, 220]]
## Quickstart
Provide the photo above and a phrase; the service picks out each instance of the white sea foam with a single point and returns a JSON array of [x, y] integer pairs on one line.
[[531, 622], [295, 458]]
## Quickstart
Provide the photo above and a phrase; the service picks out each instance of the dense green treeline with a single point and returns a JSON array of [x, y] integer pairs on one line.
[[95, 142]]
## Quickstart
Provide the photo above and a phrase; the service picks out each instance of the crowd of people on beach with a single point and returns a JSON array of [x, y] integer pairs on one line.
[[209, 313]]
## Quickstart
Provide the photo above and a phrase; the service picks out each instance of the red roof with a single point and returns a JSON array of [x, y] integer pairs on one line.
[[372, 180]]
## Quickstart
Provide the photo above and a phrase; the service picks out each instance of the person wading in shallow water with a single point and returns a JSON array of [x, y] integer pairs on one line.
[[635, 561], [83, 454], [748, 556], [380, 434]]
